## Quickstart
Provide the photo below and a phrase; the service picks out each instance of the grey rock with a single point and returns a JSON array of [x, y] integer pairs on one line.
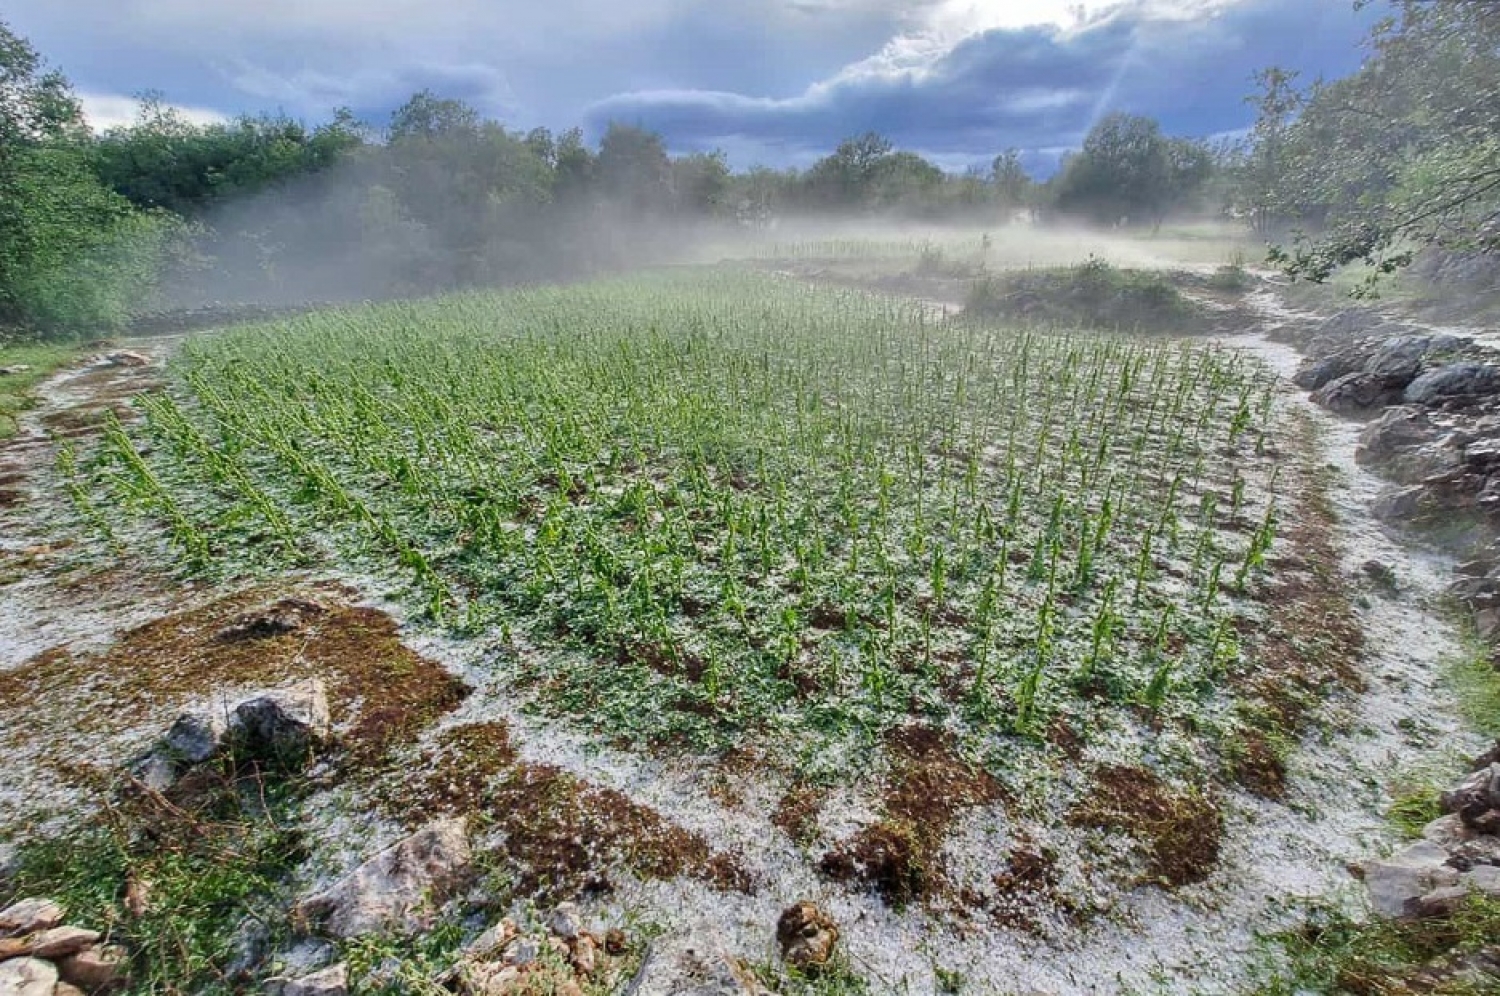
[[1457, 380], [249, 947], [282, 726], [27, 977], [1406, 876], [1397, 362], [305, 957], [564, 922], [1313, 374], [330, 981], [1485, 879], [1397, 429], [1355, 393], [1439, 902], [393, 889], [196, 736], [126, 358], [1402, 505]]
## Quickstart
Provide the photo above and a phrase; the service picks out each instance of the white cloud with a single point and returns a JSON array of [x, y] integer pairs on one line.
[[109, 110]]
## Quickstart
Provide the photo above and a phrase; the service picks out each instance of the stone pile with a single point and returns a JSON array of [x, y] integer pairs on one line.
[[1458, 854], [40, 955], [560, 958]]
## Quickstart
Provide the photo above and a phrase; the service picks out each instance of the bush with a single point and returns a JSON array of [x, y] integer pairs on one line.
[[1093, 294]]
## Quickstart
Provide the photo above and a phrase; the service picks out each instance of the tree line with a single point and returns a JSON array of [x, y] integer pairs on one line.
[[1402, 154]]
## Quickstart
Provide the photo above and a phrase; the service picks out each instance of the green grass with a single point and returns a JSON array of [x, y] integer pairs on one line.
[[699, 509], [1090, 295], [205, 862], [16, 390], [1340, 956]]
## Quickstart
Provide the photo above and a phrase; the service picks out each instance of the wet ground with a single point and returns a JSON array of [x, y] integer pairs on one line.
[[64, 597]]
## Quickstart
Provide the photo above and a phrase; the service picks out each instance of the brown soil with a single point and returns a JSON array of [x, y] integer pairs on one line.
[[382, 694], [1310, 643], [901, 855], [797, 813], [560, 836], [1028, 889], [1179, 830]]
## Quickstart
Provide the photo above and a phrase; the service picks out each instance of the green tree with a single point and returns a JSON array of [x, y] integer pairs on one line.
[[73, 254], [1405, 153]]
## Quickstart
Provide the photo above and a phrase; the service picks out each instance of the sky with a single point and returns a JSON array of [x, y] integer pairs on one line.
[[771, 82]]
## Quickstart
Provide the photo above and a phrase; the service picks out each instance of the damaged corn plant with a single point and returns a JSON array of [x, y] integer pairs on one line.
[[710, 508]]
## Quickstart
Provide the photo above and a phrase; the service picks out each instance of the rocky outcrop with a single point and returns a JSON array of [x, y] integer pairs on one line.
[[1356, 393], [1458, 855], [42, 956], [1467, 382], [398, 888], [282, 728]]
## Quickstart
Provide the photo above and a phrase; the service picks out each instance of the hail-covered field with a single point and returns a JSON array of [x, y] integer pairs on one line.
[[813, 540]]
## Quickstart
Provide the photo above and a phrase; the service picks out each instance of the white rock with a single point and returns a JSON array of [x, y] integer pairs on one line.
[[331, 981], [1483, 878], [27, 977], [1407, 875], [59, 942], [564, 922], [28, 916], [390, 888]]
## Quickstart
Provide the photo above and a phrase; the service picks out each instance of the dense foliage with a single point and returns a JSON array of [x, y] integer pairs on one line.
[[1403, 154]]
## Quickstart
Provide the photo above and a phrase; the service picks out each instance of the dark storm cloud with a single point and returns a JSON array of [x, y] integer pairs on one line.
[[1032, 88], [773, 81]]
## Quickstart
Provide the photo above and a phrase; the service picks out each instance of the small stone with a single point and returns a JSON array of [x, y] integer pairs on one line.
[[59, 942], [98, 967], [807, 936], [1407, 875], [67, 989], [569, 988], [126, 358], [584, 960], [615, 942], [29, 916], [284, 725], [12, 947], [564, 922], [492, 940], [1437, 903], [330, 981], [483, 979], [14, 369], [27, 977], [521, 951], [137, 896]]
